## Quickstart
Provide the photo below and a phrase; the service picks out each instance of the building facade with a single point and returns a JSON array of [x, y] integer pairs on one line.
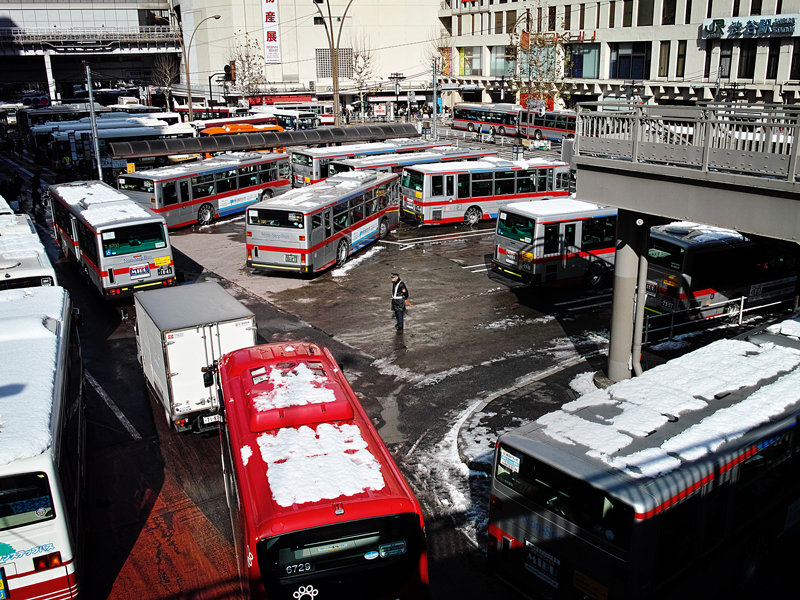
[[664, 51]]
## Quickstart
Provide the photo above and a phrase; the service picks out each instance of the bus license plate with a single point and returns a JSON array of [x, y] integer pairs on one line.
[[140, 271], [511, 256], [650, 287], [212, 419], [292, 258], [542, 564]]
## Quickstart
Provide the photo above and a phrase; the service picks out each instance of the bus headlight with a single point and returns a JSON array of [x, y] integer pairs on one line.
[[526, 256]]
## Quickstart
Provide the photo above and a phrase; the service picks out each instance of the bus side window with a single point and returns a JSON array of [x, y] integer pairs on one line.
[[169, 193], [437, 187], [341, 217], [184, 187], [525, 182], [226, 181], [283, 169], [202, 186], [267, 173], [463, 185], [248, 176], [357, 208], [569, 235], [550, 245], [327, 221], [562, 180]]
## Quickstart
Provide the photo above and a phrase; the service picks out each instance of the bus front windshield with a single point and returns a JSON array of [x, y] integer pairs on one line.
[[303, 160], [412, 180], [334, 168], [135, 184], [133, 238], [266, 217], [665, 255], [25, 499], [516, 227]]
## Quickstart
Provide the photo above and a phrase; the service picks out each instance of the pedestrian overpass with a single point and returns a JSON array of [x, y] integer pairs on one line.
[[728, 165]]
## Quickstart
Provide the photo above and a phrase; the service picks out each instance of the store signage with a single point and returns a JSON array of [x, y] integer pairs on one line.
[[738, 28], [272, 48]]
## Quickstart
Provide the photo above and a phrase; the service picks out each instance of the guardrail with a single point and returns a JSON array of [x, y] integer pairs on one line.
[[750, 140]]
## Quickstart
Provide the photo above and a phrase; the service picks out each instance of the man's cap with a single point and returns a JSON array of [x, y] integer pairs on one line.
[[395, 275]]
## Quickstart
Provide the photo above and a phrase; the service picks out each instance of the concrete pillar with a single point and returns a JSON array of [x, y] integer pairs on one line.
[[51, 82], [626, 268]]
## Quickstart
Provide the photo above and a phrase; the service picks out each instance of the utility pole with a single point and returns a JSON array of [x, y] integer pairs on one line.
[[435, 99], [397, 78], [334, 49], [93, 121]]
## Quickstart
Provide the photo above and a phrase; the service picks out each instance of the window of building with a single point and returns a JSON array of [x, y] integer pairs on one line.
[[345, 60], [644, 17], [755, 7], [779, 7], [794, 70], [583, 60], [471, 60], [597, 16], [551, 18], [725, 56], [707, 66], [511, 20], [747, 59], [663, 59], [668, 12], [687, 17], [735, 8], [582, 16], [499, 65], [459, 24], [539, 19], [612, 9], [772, 58], [680, 64], [498, 21], [627, 13], [567, 17], [630, 60]]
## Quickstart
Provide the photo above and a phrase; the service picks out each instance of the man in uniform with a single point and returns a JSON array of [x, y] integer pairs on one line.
[[399, 297]]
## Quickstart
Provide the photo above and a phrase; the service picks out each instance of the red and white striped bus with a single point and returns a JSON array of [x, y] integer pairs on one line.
[[318, 506], [502, 119], [469, 191], [42, 458]]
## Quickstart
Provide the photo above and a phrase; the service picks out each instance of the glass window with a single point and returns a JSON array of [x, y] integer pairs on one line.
[[735, 8], [526, 182], [687, 19], [341, 217], [437, 187], [551, 18], [627, 13], [550, 245], [612, 10], [463, 185], [680, 65], [248, 176], [599, 232], [267, 217], [25, 499], [267, 172], [504, 183], [412, 180], [169, 193], [747, 59], [567, 17], [773, 57], [755, 7], [663, 59], [582, 16], [202, 186], [135, 184], [481, 184], [630, 60], [668, 12], [498, 22], [644, 18], [470, 60], [133, 239], [794, 71], [665, 255], [499, 65], [584, 60], [226, 181], [511, 19], [516, 227], [725, 55], [301, 159]]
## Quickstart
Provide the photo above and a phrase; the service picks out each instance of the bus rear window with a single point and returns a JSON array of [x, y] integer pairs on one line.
[[666, 255], [301, 159], [573, 499], [275, 218], [516, 227], [412, 179], [132, 239], [387, 543], [134, 184], [25, 499], [335, 168]]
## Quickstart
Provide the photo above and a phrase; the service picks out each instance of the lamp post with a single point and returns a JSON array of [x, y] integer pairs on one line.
[[397, 78], [186, 49], [334, 49]]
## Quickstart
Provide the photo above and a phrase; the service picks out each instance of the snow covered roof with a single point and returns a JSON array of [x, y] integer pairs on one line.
[[30, 321], [692, 409], [388, 145], [490, 163], [695, 233], [555, 206], [100, 204], [217, 163]]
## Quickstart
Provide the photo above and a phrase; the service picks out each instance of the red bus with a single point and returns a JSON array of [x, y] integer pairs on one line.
[[318, 506]]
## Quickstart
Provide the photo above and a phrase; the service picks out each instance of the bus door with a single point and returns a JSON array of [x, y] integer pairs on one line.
[[443, 196], [558, 239], [570, 261], [321, 231]]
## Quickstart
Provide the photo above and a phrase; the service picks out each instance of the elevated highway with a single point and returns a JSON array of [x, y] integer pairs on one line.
[[726, 165]]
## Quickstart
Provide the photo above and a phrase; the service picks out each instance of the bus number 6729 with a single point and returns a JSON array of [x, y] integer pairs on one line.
[[301, 568]]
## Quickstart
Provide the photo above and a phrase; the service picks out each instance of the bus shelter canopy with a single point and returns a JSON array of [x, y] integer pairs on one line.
[[262, 141]]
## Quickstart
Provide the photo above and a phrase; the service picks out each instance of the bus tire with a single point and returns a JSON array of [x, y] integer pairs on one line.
[[472, 216], [205, 215], [383, 229], [502, 131], [342, 252], [267, 194], [595, 275], [470, 127], [537, 135]]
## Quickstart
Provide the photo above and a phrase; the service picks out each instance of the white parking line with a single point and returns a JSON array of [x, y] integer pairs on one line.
[[114, 408]]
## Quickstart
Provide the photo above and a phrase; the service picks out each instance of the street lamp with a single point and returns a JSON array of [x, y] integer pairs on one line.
[[333, 45], [186, 49], [397, 78]]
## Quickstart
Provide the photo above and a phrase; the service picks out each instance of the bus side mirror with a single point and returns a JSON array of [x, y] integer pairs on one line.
[[208, 378]]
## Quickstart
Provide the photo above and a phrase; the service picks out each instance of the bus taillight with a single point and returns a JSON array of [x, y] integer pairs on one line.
[[495, 502], [47, 561], [152, 200]]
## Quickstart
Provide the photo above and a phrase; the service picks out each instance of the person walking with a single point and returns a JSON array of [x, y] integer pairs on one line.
[[399, 297]]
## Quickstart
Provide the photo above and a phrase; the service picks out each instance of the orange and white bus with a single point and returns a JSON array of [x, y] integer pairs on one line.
[[470, 191], [310, 229], [235, 128], [118, 244], [318, 506], [42, 459]]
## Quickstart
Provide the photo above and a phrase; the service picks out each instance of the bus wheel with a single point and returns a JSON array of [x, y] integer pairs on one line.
[[267, 194], [205, 215], [472, 216], [342, 252], [502, 131], [383, 229], [595, 275], [537, 134], [470, 127]]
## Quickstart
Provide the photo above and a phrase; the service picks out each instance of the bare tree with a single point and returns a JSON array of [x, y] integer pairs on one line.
[[166, 71], [363, 68], [250, 65]]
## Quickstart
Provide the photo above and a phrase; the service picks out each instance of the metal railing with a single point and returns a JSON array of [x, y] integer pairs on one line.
[[19, 35], [755, 140]]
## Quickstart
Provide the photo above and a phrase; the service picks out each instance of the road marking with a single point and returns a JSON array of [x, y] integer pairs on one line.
[[474, 266], [584, 307], [114, 408], [584, 299]]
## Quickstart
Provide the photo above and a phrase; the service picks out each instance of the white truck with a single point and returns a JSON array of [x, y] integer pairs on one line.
[[179, 331]]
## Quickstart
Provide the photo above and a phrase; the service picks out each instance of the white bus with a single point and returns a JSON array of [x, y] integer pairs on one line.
[[681, 482], [499, 118], [310, 165], [310, 229], [561, 241], [323, 110], [23, 260], [198, 192], [470, 191], [289, 118], [121, 246], [394, 163], [42, 459]]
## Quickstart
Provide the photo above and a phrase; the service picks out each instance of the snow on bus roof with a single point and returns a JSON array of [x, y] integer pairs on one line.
[[295, 387], [220, 161], [698, 233], [488, 163], [553, 206], [101, 203], [684, 409], [27, 348], [326, 191]]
